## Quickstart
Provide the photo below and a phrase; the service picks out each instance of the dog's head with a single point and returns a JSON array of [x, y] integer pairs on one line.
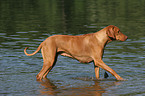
[[114, 33]]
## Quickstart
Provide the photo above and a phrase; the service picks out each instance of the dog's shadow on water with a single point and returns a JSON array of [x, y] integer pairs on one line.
[[96, 89]]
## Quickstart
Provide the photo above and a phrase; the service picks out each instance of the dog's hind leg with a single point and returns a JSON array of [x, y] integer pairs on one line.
[[49, 56], [54, 62]]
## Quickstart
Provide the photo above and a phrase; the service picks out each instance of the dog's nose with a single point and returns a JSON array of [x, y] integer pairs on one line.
[[126, 37]]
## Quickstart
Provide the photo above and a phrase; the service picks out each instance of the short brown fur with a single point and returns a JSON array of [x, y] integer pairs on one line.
[[85, 48]]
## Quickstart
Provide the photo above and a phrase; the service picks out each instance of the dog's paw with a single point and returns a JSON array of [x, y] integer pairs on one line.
[[38, 78], [121, 79]]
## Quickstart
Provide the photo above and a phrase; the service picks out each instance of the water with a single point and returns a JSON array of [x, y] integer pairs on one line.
[[27, 23]]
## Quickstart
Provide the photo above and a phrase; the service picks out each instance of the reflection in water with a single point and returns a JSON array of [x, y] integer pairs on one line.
[[48, 87], [97, 89]]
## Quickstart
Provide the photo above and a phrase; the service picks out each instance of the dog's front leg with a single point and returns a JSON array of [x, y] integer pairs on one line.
[[96, 71], [102, 65]]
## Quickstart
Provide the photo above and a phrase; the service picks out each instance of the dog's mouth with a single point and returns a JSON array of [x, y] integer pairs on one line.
[[122, 39]]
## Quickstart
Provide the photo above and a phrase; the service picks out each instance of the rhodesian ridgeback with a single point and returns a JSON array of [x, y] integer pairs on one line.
[[85, 48]]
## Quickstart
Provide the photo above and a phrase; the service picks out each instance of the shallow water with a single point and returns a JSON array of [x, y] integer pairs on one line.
[[26, 23]]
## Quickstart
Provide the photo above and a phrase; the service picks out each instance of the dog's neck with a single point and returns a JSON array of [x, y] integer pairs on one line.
[[102, 37]]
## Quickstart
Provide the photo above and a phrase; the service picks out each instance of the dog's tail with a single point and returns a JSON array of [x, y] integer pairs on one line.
[[33, 52]]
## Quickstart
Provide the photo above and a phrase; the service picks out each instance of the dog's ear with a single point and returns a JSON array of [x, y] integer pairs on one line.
[[110, 32]]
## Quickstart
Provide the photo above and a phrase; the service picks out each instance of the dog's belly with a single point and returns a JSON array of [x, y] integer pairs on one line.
[[82, 59]]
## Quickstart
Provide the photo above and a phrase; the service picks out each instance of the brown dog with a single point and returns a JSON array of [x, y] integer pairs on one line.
[[84, 48]]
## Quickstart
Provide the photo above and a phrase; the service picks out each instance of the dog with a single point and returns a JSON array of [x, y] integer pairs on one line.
[[85, 48]]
